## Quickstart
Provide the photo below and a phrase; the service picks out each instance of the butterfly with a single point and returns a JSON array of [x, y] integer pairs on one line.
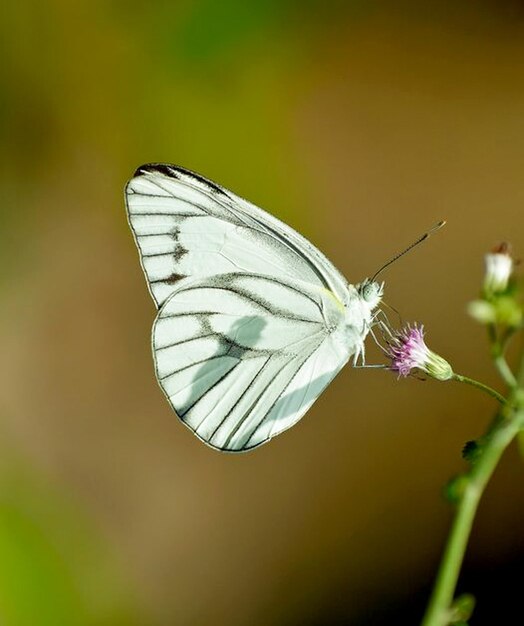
[[253, 321]]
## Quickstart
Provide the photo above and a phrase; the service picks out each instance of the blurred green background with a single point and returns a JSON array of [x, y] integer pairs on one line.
[[361, 125]]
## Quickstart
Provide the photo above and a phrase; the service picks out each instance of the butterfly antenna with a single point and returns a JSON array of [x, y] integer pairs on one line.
[[425, 236]]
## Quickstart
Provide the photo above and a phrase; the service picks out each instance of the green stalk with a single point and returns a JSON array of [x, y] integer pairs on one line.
[[498, 349], [475, 383], [520, 371], [505, 371], [439, 611]]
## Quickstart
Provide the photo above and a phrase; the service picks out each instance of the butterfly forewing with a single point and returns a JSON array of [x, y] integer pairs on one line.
[[187, 226], [236, 370]]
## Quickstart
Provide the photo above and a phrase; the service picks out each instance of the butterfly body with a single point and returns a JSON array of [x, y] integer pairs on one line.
[[253, 320], [352, 332]]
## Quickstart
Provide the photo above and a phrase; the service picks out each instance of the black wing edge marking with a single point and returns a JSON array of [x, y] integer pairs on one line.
[[174, 171], [172, 279]]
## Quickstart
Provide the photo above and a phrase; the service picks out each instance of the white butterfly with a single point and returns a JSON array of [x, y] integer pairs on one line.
[[253, 320]]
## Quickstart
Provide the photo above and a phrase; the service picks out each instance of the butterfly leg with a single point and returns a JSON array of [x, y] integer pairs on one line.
[[360, 352], [378, 343], [371, 366], [381, 319]]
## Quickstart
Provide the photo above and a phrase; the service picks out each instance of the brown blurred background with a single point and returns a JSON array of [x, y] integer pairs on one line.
[[360, 125]]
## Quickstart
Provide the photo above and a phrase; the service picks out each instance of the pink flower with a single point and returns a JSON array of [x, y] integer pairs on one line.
[[408, 351]]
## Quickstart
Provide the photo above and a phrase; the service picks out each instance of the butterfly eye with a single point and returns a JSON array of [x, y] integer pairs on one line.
[[371, 292]]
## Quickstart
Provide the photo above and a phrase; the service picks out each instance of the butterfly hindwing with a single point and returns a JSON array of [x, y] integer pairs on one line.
[[241, 357]]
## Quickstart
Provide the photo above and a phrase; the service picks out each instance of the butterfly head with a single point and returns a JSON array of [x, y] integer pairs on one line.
[[371, 292]]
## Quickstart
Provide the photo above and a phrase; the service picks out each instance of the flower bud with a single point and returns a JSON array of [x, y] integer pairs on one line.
[[499, 303], [483, 311], [499, 268]]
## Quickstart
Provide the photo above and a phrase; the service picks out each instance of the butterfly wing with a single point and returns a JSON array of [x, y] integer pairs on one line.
[[241, 357], [187, 226]]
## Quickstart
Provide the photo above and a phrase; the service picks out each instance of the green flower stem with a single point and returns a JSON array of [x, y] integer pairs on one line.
[[505, 371], [520, 371], [498, 348], [439, 611], [475, 383]]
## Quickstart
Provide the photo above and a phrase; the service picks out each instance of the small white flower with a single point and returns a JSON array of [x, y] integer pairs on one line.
[[499, 267]]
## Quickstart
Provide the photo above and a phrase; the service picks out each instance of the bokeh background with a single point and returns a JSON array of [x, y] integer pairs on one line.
[[359, 123]]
